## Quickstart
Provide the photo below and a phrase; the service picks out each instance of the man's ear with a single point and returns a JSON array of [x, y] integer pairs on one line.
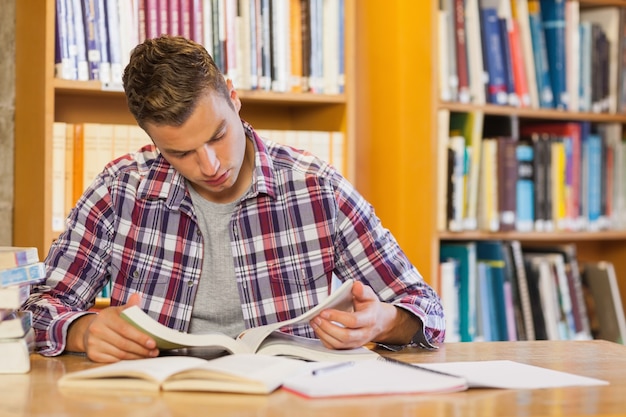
[[233, 95]]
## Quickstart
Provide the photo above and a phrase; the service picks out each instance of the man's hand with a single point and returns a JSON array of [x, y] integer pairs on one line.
[[106, 337], [371, 321]]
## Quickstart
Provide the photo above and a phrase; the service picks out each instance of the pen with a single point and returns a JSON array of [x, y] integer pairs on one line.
[[331, 368], [413, 365]]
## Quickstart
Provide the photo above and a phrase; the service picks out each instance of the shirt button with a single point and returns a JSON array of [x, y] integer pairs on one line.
[[135, 274], [190, 283], [198, 232]]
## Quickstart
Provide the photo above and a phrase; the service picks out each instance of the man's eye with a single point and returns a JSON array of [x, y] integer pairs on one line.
[[181, 154]]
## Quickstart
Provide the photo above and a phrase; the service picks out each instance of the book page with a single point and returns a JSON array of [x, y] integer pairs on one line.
[[249, 373], [139, 374], [372, 377], [284, 344], [511, 375], [167, 338], [340, 299]]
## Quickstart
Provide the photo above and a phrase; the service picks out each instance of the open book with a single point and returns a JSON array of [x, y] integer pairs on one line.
[[241, 373], [265, 339]]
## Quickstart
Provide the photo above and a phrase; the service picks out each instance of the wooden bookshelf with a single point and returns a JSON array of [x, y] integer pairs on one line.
[[397, 131], [42, 99]]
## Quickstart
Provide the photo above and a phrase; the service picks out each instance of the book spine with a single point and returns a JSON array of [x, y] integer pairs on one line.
[[507, 182], [12, 297], [542, 71], [75, 10], [493, 57], [173, 17], [115, 41], [92, 38], [461, 51], [525, 188], [196, 21], [14, 257], [22, 274], [553, 15]]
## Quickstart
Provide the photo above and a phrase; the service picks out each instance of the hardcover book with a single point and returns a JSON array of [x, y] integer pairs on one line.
[[265, 339], [605, 303]]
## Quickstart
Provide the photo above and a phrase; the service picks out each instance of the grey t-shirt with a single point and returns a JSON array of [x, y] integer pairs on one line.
[[217, 306]]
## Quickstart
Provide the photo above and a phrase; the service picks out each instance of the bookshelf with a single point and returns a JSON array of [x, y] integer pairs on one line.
[[42, 99], [399, 141]]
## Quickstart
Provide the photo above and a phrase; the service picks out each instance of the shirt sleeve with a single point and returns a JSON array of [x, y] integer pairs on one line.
[[368, 252], [76, 270]]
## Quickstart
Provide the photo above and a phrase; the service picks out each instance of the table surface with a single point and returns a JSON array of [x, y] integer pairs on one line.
[[36, 393]]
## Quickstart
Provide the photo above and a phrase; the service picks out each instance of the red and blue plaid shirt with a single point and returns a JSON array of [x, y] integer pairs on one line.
[[299, 223]]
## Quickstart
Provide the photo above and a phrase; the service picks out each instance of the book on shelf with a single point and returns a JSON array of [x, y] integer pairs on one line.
[[15, 354], [522, 18], [497, 291], [267, 339], [477, 72], [464, 253], [525, 188], [507, 172], [609, 19], [540, 55], [581, 329], [604, 302], [449, 292], [516, 274], [240, 373], [13, 256], [493, 56], [15, 325], [553, 15]]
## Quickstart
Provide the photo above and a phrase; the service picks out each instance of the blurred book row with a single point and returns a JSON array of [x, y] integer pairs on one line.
[[82, 150], [277, 45], [531, 175], [533, 53], [19, 269], [497, 290]]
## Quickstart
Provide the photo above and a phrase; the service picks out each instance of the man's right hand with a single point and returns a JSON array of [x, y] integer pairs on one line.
[[106, 337]]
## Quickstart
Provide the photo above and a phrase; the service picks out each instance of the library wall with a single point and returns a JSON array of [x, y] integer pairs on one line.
[[7, 112]]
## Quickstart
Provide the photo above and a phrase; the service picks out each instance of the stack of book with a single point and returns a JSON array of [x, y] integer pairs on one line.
[[19, 269]]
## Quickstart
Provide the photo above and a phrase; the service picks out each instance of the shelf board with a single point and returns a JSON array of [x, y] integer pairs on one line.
[[560, 236], [528, 113], [96, 88]]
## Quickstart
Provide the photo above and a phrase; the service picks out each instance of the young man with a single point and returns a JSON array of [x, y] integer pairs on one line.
[[214, 229]]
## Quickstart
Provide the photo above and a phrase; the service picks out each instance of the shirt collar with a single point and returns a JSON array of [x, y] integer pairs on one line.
[[162, 182]]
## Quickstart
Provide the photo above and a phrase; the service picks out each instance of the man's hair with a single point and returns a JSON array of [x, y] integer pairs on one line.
[[165, 78]]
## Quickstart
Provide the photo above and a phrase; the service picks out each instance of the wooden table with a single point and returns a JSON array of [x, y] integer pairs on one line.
[[36, 393]]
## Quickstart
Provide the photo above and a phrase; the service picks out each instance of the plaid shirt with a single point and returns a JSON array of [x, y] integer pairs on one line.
[[299, 223]]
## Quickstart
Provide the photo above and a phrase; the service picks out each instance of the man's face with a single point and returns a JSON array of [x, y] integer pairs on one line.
[[209, 149]]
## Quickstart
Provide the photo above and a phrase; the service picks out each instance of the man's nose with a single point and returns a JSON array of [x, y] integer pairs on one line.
[[209, 163]]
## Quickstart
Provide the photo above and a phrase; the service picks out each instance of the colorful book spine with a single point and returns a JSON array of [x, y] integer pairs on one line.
[[461, 51], [115, 41], [553, 15], [525, 188], [540, 52], [12, 297], [493, 57], [11, 256], [22, 274], [592, 157]]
